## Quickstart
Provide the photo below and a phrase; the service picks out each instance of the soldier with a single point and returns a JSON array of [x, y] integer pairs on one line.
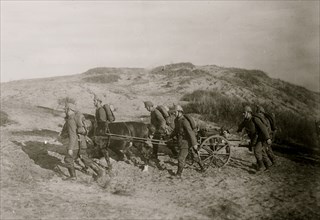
[[104, 115], [261, 113], [77, 146], [250, 129], [159, 123], [262, 138], [186, 139]]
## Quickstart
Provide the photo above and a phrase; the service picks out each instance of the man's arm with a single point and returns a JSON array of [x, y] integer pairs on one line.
[[161, 120], [241, 126], [190, 132], [175, 130]]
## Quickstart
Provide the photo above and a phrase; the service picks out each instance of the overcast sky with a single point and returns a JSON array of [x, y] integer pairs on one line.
[[51, 38]]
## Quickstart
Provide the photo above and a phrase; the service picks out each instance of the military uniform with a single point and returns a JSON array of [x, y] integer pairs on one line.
[[186, 139], [268, 147], [103, 119], [250, 129], [77, 143], [263, 134], [158, 121]]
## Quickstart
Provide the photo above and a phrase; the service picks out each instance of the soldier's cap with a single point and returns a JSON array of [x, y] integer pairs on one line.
[[247, 109], [178, 108], [148, 104], [97, 98], [70, 106], [260, 109]]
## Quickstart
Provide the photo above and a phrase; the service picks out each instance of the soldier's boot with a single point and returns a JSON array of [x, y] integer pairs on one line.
[[72, 173], [260, 166], [179, 172], [85, 170], [202, 169], [100, 172]]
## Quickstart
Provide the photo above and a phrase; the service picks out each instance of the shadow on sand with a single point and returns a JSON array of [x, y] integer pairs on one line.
[[39, 153]]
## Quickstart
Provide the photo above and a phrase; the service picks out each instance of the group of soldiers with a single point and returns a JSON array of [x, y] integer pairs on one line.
[[172, 125], [169, 123], [259, 130], [77, 145], [176, 126]]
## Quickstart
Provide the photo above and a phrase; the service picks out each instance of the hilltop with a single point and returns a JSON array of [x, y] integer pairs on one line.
[[166, 83]]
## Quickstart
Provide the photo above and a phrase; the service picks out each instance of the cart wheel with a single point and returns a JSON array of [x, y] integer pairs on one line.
[[215, 151]]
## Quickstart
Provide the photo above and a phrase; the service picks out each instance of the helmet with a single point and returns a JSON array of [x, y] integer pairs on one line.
[[178, 108], [260, 109], [148, 104], [70, 106], [97, 98], [247, 109]]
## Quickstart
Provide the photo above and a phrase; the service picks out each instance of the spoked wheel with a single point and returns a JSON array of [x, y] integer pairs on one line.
[[215, 151]]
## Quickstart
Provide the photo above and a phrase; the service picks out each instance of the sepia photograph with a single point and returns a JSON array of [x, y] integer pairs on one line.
[[160, 110]]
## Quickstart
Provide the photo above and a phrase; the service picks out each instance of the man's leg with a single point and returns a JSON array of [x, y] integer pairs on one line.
[[156, 136], [69, 161], [182, 157], [258, 154], [270, 154], [88, 162], [266, 161]]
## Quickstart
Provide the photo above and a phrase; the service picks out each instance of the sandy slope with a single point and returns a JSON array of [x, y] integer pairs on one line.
[[32, 186]]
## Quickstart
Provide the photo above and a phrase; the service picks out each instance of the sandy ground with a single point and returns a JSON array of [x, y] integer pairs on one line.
[[32, 171], [32, 187]]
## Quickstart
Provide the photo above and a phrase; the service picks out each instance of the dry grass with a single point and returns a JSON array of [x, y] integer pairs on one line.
[[213, 106], [112, 78]]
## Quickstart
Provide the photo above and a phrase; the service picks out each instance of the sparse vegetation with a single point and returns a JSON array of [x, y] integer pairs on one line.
[[112, 70], [294, 128], [181, 72], [214, 106], [102, 78], [4, 118], [224, 110]]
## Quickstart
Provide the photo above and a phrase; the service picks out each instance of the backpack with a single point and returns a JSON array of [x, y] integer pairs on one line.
[[88, 125], [163, 111], [272, 121], [82, 124], [109, 113], [192, 122], [262, 119]]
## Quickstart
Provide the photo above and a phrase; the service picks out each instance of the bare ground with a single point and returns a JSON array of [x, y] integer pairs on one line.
[[32, 187]]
